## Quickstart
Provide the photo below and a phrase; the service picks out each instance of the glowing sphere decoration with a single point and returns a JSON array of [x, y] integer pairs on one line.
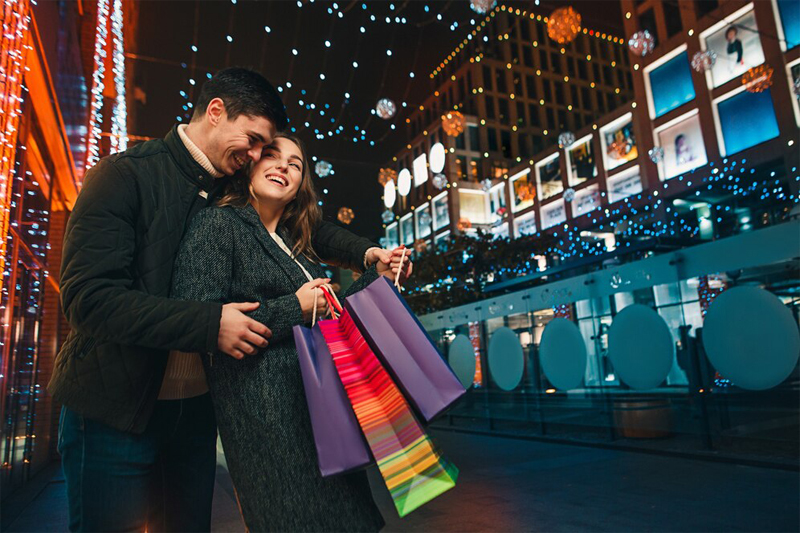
[[345, 215], [436, 158], [641, 43], [385, 108], [656, 154], [387, 216], [323, 169], [404, 182], [440, 181], [569, 195], [757, 79], [704, 60], [482, 7], [385, 175], [486, 184], [453, 123], [564, 25], [463, 224], [566, 139]]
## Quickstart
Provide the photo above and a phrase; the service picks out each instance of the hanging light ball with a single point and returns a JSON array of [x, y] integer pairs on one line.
[[641, 43], [387, 216], [656, 154], [453, 123], [385, 108], [323, 169], [566, 139], [569, 195], [482, 7], [704, 60], [345, 215], [486, 185], [463, 224], [564, 25], [757, 79], [425, 219], [440, 181], [385, 175], [420, 246]]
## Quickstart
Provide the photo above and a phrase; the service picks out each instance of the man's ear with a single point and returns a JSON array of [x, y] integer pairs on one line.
[[215, 112]]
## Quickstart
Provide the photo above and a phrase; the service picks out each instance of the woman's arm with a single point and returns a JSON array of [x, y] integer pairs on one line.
[[337, 246]]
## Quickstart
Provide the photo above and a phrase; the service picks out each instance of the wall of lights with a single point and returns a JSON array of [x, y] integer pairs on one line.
[[109, 25], [14, 48]]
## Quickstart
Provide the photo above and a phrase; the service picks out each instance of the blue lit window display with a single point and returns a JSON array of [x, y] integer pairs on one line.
[[548, 174], [790, 20], [407, 230], [392, 236], [747, 119], [422, 218], [441, 214], [671, 84]]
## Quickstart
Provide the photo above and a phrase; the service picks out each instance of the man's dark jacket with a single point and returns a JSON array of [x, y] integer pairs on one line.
[[119, 248]]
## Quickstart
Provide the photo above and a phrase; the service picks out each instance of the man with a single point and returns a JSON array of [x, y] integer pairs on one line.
[[137, 433]]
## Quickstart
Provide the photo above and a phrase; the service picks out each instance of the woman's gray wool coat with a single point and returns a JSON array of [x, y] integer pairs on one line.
[[228, 256]]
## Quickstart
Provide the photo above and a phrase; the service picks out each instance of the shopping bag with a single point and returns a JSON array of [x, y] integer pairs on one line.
[[338, 438], [406, 350], [413, 470]]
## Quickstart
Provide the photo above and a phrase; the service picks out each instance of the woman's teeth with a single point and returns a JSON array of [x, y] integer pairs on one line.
[[278, 179]]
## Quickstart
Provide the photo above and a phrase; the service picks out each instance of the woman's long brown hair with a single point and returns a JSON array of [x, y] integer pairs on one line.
[[300, 216]]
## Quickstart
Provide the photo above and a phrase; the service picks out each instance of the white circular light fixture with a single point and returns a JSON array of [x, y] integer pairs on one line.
[[437, 158], [389, 194], [404, 182]]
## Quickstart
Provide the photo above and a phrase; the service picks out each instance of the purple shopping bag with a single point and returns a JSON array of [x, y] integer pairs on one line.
[[395, 335], [340, 443]]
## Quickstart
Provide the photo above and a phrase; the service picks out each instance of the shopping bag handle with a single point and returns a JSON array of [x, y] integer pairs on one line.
[[400, 270], [333, 301]]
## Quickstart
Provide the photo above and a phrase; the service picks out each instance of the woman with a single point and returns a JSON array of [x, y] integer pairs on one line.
[[261, 250]]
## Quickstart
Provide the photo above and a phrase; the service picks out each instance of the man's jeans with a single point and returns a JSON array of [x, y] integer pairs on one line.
[[161, 480]]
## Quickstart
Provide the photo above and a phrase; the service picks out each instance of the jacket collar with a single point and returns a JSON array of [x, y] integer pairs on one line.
[[190, 168], [250, 216]]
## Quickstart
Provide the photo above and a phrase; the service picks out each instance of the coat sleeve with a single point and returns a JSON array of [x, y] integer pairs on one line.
[[366, 278], [97, 293], [337, 246]]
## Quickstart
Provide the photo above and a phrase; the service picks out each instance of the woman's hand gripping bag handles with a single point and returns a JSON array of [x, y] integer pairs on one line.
[[337, 435], [406, 350]]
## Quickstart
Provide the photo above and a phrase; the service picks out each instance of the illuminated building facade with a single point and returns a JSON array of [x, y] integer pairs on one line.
[[517, 91], [654, 234], [58, 116]]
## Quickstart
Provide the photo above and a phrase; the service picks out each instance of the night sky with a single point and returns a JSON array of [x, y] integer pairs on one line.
[[167, 31]]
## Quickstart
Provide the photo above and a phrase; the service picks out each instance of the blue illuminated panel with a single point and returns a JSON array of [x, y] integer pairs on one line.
[[790, 18], [671, 84], [747, 119]]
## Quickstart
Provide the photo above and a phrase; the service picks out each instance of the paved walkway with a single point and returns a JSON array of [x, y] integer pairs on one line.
[[516, 485]]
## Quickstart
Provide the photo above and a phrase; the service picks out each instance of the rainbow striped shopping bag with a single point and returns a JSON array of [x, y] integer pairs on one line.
[[414, 471]]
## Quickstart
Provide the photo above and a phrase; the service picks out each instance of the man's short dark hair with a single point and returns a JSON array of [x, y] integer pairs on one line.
[[244, 92]]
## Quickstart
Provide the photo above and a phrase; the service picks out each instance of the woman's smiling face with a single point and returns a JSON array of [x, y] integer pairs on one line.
[[277, 176]]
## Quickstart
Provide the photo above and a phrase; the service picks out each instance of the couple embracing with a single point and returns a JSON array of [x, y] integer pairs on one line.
[[187, 261]]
